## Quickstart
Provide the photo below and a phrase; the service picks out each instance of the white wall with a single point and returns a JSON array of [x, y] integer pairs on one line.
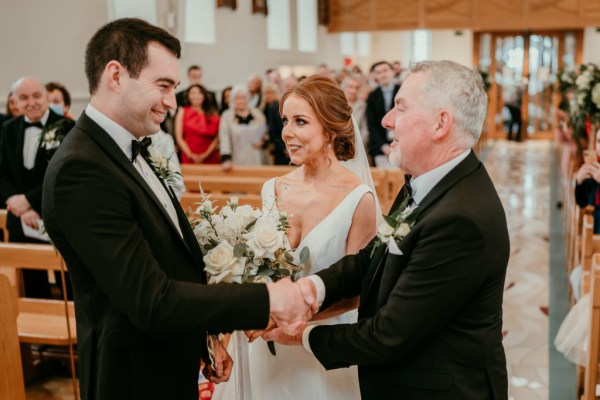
[[388, 46], [591, 45], [446, 45]]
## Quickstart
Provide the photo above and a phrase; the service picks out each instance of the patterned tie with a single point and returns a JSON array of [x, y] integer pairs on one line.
[[36, 124], [140, 147]]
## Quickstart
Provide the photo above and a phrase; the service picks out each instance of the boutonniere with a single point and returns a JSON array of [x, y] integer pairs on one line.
[[166, 170], [396, 225], [53, 135]]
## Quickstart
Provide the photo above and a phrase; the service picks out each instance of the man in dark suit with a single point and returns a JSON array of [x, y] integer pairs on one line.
[[430, 315], [23, 161], [379, 102], [141, 299]]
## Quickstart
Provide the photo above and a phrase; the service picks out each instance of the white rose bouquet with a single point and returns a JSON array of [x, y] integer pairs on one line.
[[245, 245]]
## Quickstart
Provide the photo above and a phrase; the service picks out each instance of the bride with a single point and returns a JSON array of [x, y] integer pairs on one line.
[[332, 212]]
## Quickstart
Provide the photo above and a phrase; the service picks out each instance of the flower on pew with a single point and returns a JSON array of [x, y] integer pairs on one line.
[[241, 244], [396, 225]]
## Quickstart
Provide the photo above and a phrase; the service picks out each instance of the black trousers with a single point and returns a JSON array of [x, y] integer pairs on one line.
[[515, 122]]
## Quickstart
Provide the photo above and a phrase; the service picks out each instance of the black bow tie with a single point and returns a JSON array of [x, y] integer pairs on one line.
[[140, 147], [37, 124]]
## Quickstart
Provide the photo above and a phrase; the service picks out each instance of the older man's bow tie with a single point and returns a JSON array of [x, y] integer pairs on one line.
[[36, 124], [140, 147]]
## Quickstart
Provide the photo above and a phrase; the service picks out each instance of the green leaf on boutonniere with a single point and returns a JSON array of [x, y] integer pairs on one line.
[[391, 221]]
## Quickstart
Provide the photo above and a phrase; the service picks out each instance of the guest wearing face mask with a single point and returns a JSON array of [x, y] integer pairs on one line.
[[59, 99]]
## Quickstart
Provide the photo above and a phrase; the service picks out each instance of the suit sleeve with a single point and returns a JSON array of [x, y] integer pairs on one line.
[[96, 215], [583, 191], [344, 279], [428, 293], [7, 186]]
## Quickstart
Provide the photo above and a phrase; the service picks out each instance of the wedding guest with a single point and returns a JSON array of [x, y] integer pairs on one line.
[[241, 132], [275, 125], [351, 86], [225, 95], [430, 314], [143, 306], [587, 183], [24, 156], [380, 101], [197, 128], [12, 110], [59, 99], [195, 76], [255, 92]]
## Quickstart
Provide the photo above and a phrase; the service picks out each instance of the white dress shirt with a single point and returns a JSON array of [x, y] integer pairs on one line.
[[420, 186], [33, 135], [123, 138]]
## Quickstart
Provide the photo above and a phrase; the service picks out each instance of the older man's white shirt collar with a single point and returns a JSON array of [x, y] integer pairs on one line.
[[120, 135], [423, 184]]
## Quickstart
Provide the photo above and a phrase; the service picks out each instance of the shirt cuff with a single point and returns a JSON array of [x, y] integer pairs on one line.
[[320, 286], [305, 336]]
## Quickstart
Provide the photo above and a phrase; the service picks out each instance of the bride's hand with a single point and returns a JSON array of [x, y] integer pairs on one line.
[[255, 334], [279, 336], [220, 370]]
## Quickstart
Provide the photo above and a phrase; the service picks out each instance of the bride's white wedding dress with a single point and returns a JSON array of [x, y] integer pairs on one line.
[[294, 373]]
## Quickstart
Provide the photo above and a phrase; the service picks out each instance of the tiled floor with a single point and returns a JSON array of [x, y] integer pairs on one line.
[[523, 174]]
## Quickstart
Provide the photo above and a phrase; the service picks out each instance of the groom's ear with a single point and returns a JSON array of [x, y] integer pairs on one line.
[[114, 73]]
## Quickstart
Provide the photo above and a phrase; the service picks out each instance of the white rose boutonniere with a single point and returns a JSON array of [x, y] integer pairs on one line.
[[54, 134], [397, 225], [166, 170]]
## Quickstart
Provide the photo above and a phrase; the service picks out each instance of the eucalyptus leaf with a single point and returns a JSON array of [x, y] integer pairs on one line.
[[288, 257], [238, 250], [304, 255], [265, 271], [250, 225]]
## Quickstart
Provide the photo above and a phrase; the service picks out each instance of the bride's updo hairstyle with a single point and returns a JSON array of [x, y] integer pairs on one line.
[[328, 102]]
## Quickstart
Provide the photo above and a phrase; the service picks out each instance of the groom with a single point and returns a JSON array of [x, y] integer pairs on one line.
[[430, 314], [141, 299]]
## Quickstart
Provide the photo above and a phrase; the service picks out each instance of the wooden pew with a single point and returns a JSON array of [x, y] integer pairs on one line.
[[265, 171], [41, 321], [590, 244], [591, 368], [12, 383], [224, 184], [3, 215]]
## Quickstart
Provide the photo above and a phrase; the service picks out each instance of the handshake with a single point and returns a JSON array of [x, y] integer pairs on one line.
[[291, 306]]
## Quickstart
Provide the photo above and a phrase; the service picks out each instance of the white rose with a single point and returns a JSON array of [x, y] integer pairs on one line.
[[583, 81], [203, 231], [385, 232], [265, 239], [284, 214], [234, 200], [247, 214], [50, 135], [596, 95], [222, 266], [402, 230]]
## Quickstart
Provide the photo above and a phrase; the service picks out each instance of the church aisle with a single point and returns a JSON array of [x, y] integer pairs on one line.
[[521, 174]]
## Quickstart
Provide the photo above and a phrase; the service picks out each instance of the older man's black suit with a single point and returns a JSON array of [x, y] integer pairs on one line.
[[16, 179], [430, 319], [141, 304]]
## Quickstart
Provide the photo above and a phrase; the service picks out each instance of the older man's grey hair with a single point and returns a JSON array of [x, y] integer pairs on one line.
[[461, 90]]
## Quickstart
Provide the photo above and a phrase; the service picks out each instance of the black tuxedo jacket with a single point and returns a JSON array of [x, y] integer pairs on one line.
[[14, 178], [375, 112], [430, 320], [141, 302]]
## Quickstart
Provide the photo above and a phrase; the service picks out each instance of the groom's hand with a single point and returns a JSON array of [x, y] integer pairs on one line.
[[309, 291], [289, 305], [220, 370], [279, 336]]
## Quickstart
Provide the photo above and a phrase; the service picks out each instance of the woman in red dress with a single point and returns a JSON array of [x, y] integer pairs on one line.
[[197, 128]]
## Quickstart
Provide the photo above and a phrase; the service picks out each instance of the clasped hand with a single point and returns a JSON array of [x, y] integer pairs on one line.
[[292, 305]]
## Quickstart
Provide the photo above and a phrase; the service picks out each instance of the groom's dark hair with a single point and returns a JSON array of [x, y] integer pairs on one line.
[[125, 40]]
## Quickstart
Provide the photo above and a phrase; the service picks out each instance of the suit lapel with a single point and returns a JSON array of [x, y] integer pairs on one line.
[[464, 168], [20, 145], [113, 150], [41, 153]]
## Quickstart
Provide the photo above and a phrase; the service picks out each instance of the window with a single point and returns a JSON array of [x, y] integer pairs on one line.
[[307, 25], [144, 9], [347, 43], [363, 43], [279, 35], [421, 45], [200, 21]]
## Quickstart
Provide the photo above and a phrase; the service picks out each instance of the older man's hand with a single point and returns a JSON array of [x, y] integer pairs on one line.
[[290, 305]]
